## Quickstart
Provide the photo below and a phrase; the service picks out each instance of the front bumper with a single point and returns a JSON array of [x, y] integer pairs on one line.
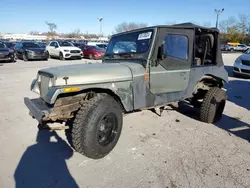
[[240, 69], [73, 55], [38, 109], [6, 57], [35, 56]]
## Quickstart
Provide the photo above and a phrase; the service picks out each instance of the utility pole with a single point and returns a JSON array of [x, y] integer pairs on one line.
[[100, 21], [218, 12]]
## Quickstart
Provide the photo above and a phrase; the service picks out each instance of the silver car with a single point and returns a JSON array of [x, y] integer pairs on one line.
[[242, 64]]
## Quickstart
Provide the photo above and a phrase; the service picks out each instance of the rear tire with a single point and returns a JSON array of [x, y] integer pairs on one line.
[[97, 127], [213, 105]]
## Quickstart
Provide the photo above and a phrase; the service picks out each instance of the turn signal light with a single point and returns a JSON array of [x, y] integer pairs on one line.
[[71, 89], [146, 75]]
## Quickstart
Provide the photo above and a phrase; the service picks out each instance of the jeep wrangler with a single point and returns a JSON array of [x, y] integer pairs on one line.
[[147, 68]]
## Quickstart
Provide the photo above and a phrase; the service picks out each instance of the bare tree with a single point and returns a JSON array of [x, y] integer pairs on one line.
[[244, 23], [236, 30], [74, 34], [125, 26], [34, 33], [225, 25], [52, 27]]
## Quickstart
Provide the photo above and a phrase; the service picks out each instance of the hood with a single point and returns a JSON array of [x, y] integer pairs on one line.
[[99, 51], [70, 48], [88, 73], [244, 57], [36, 49]]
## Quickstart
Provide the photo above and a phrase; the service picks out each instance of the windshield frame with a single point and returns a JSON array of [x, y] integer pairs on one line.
[[130, 55]]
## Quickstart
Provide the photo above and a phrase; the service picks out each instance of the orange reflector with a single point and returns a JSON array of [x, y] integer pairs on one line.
[[146, 76], [71, 89]]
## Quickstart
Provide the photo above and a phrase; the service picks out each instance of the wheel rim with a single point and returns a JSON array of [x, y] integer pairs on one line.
[[90, 56], [107, 129], [61, 56], [219, 109]]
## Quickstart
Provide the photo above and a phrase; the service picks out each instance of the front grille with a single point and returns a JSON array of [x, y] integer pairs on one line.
[[245, 62], [38, 53], [245, 71], [236, 69], [4, 55], [44, 85], [75, 51]]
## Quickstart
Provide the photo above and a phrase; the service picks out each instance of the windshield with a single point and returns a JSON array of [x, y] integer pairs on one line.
[[65, 44], [96, 48], [10, 45], [30, 45], [2, 45], [130, 43], [43, 45]]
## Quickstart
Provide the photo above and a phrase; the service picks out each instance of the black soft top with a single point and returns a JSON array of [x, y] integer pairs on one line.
[[198, 29], [190, 25], [187, 25]]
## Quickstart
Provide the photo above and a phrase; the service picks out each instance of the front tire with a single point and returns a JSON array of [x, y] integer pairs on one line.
[[47, 55], [213, 105], [61, 56], [25, 58], [13, 60], [97, 127]]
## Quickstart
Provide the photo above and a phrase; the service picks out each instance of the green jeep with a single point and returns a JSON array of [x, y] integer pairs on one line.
[[146, 68]]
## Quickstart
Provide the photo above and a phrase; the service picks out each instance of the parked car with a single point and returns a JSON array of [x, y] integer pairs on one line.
[[29, 51], [93, 52], [6, 54], [242, 65], [10, 45], [240, 48], [167, 66], [63, 50]]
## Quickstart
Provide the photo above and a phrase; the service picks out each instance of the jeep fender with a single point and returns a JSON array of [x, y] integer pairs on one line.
[[121, 91]]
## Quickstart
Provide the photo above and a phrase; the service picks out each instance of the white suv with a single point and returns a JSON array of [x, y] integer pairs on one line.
[[63, 50]]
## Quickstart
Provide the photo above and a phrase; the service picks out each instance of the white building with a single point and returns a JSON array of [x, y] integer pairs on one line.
[[23, 36]]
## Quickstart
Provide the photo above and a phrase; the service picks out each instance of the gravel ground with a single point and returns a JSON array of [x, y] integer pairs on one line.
[[172, 151]]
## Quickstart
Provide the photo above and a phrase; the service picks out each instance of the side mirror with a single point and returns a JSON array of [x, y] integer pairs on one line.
[[56, 46], [161, 52]]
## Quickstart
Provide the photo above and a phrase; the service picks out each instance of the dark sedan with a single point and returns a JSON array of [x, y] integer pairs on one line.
[[30, 51], [6, 54]]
